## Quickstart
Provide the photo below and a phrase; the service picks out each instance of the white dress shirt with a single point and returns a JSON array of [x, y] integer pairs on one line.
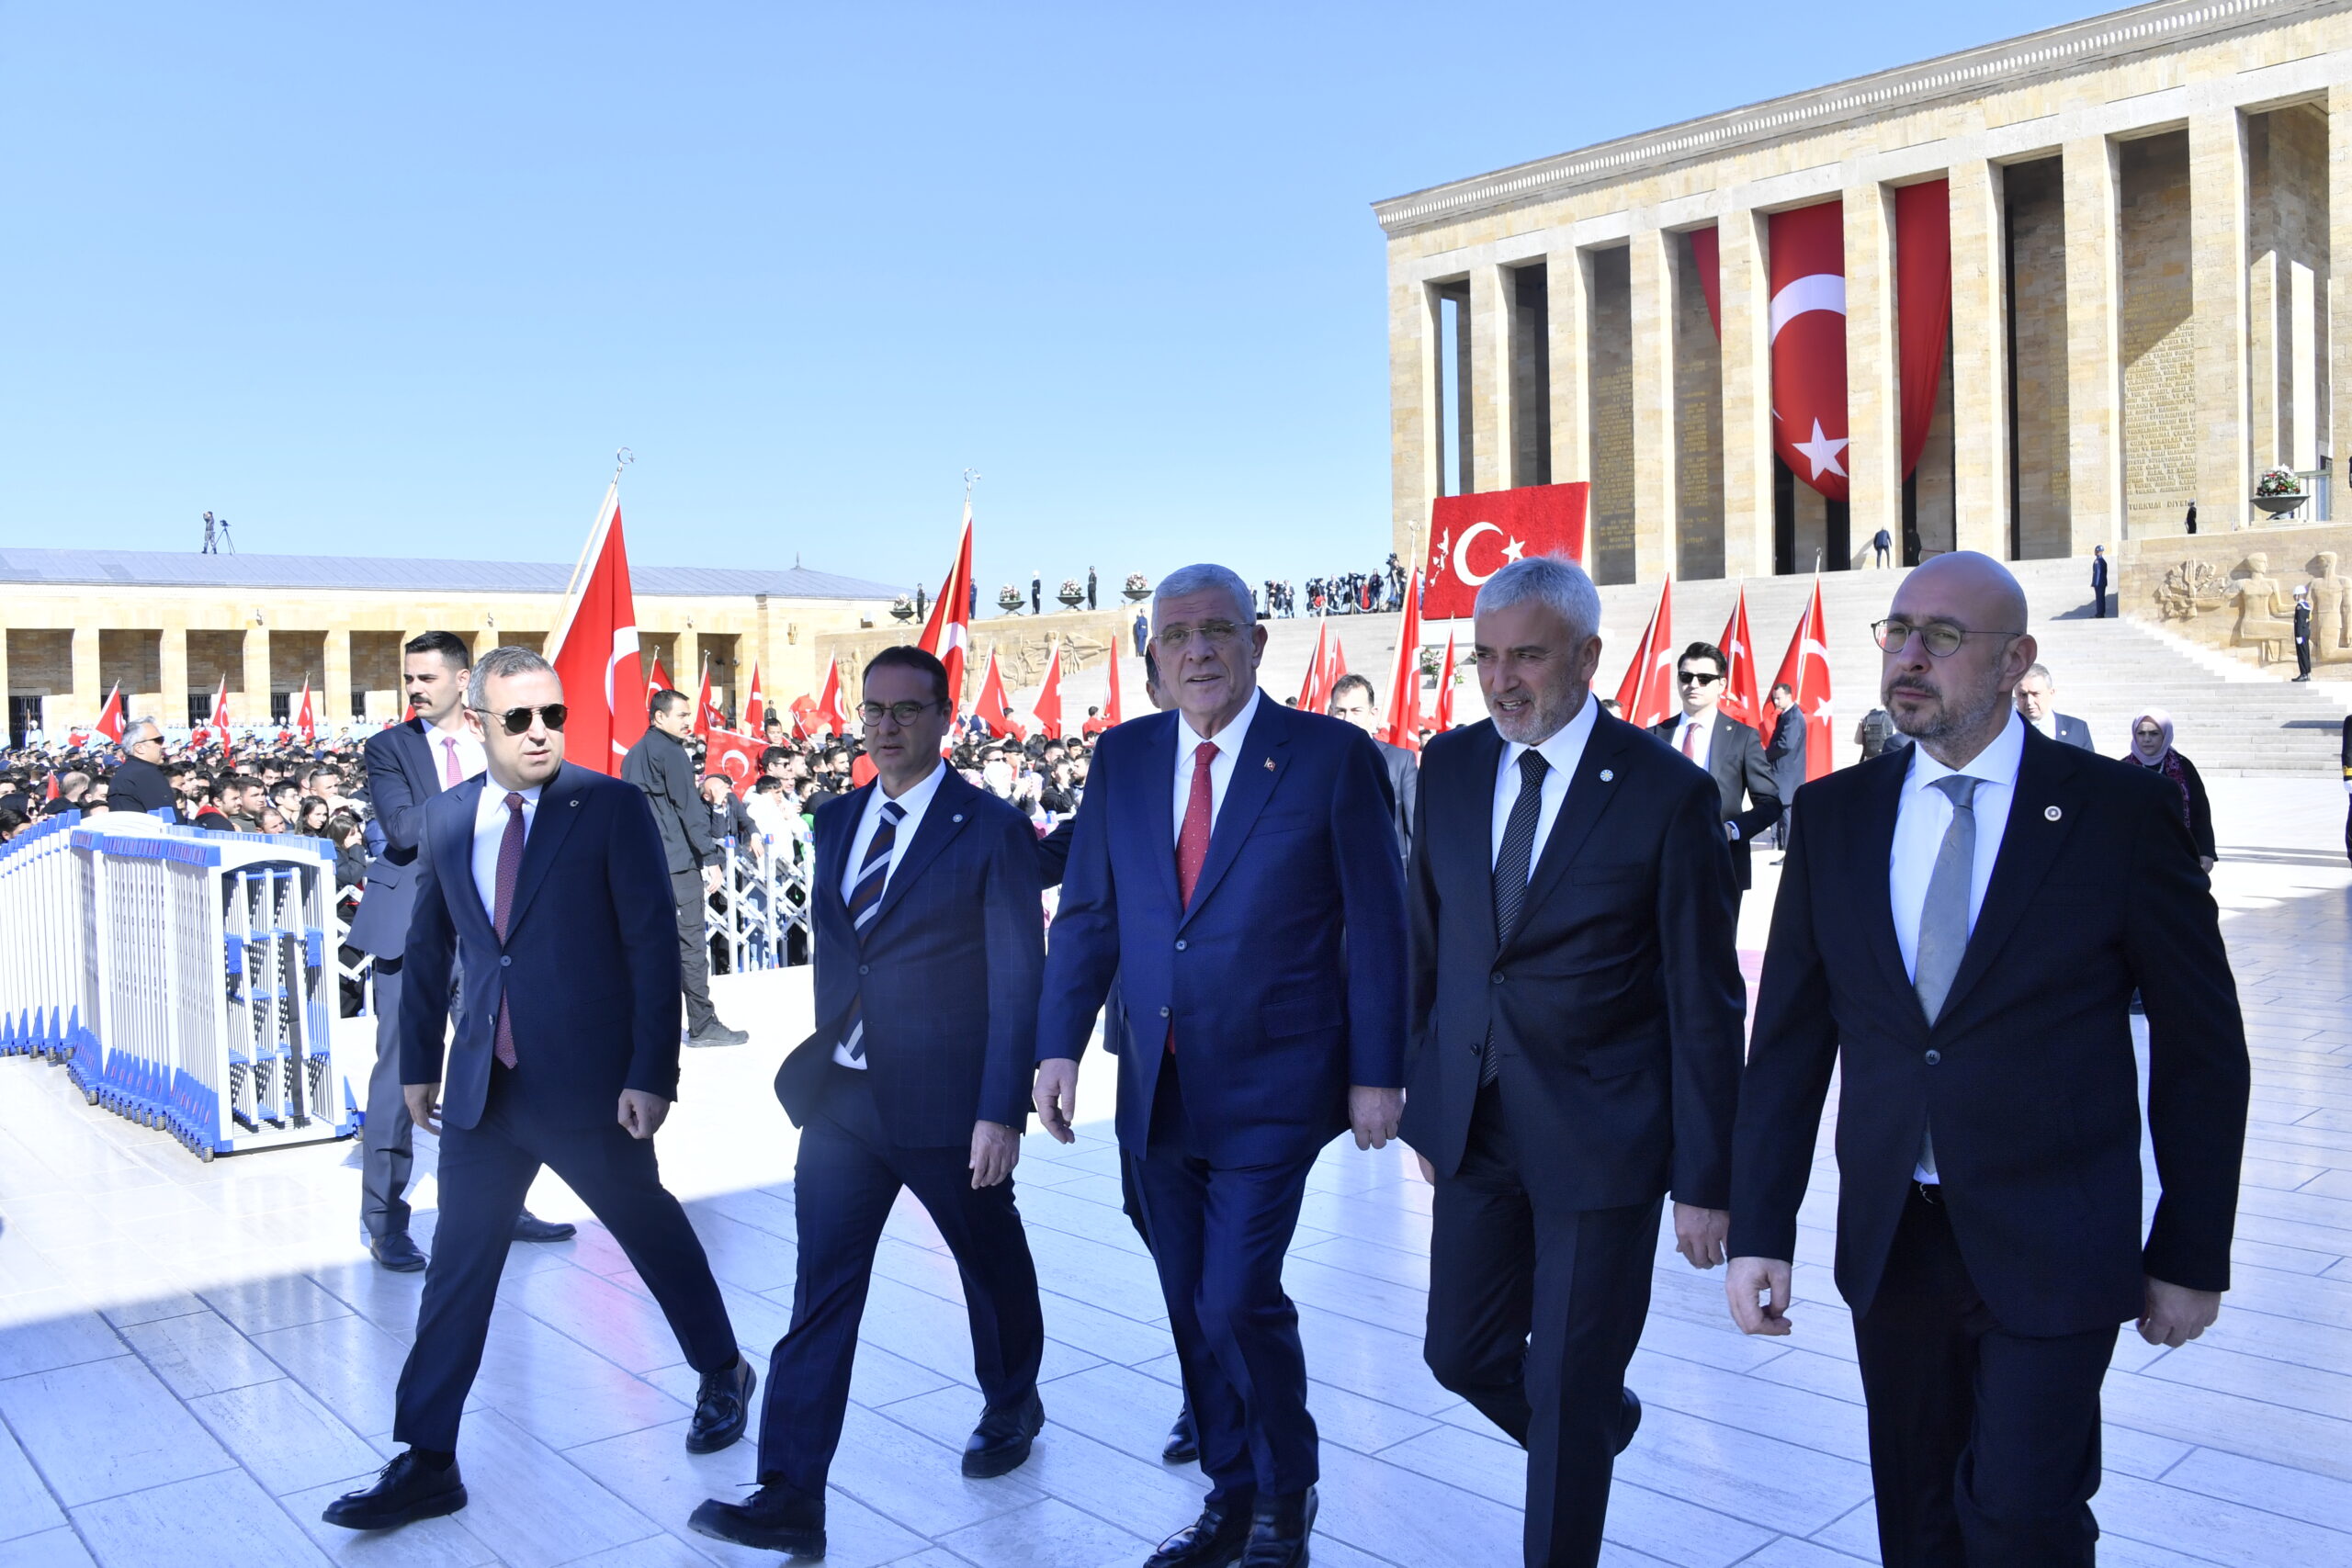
[[489, 831], [914, 803], [471, 759], [1703, 745], [1920, 819], [1564, 750], [1229, 754]]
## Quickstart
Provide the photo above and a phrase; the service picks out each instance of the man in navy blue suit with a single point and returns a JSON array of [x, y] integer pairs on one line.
[[408, 764], [1219, 872], [929, 942], [549, 881]]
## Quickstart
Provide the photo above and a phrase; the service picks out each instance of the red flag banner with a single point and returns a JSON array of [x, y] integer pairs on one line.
[[657, 678], [1806, 671], [735, 757], [708, 716], [1047, 708], [830, 711], [1405, 686], [1647, 694], [1808, 330], [1312, 691], [755, 706], [1442, 719], [1741, 698], [111, 721], [948, 632], [1111, 701], [1922, 305], [994, 710], [305, 723], [594, 654], [1473, 537]]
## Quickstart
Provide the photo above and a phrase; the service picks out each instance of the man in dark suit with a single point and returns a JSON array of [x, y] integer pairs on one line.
[[659, 765], [547, 880], [1577, 1017], [1726, 749], [2302, 624], [930, 938], [1785, 751], [2038, 706], [407, 765], [1958, 935], [1352, 703], [138, 783], [1219, 873], [2099, 576]]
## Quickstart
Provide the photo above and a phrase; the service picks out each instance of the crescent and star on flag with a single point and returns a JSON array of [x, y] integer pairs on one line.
[[1456, 556]]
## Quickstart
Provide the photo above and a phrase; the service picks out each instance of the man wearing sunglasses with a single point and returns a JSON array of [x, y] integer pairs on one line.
[[659, 765], [547, 880], [1727, 750], [138, 783]]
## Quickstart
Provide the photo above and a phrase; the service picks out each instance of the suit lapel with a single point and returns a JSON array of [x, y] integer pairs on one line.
[[421, 757], [950, 809], [1157, 810], [551, 823], [1876, 852], [833, 854], [2029, 842], [1477, 816], [1589, 797], [1256, 771], [453, 862]]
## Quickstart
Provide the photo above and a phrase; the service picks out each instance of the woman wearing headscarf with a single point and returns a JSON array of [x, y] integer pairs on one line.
[[2151, 748]]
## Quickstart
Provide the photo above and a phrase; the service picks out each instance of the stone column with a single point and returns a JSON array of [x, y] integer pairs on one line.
[[1569, 288], [1745, 288], [2217, 211], [688, 674], [2338, 305], [253, 707], [173, 678], [2095, 367], [334, 681], [89, 688], [1416, 409], [1980, 362], [1651, 259], [1494, 302], [1873, 382]]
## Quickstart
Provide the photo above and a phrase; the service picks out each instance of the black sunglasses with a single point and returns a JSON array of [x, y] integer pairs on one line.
[[518, 720], [1696, 678]]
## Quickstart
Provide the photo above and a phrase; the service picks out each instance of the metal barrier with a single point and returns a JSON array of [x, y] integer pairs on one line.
[[761, 899], [182, 977]]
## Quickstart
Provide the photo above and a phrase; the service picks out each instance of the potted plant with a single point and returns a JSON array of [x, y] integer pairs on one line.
[[1138, 588], [2278, 493], [1072, 595], [903, 607], [1009, 599]]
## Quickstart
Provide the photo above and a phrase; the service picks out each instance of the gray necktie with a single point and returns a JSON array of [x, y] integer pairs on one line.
[[1511, 868], [1943, 915]]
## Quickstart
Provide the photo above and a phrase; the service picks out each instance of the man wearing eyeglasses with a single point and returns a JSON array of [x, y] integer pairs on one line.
[[659, 765], [138, 783], [1958, 935], [547, 880], [929, 935], [1726, 748]]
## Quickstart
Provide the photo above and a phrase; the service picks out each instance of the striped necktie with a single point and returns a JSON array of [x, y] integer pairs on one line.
[[864, 898]]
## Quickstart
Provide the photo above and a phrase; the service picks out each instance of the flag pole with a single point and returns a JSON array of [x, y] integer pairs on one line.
[[622, 459]]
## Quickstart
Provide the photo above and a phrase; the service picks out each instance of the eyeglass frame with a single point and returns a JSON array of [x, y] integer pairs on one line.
[[873, 712], [1878, 635], [1693, 678], [1214, 634], [553, 714]]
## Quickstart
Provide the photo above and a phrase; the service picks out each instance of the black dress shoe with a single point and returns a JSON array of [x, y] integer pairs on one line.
[[1278, 1530], [1213, 1541], [1630, 1409], [717, 1033], [528, 1226], [721, 1406], [1000, 1442], [404, 1489], [776, 1517], [394, 1250], [1184, 1442]]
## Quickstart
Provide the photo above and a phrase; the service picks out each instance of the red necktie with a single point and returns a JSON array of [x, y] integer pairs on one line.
[[450, 777], [510, 869], [1690, 741], [1192, 842]]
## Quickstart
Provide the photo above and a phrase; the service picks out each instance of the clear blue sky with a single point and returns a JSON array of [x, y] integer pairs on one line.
[[398, 279]]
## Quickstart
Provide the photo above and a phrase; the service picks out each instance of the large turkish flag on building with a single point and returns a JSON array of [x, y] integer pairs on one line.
[[1473, 537], [1809, 327], [599, 638]]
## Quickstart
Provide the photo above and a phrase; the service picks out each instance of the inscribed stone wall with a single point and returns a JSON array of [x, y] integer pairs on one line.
[[2287, 216], [1531, 377], [2158, 339], [1698, 426], [2038, 369], [1610, 505]]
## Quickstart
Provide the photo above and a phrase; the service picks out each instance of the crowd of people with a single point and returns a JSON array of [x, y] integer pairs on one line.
[[1341, 593]]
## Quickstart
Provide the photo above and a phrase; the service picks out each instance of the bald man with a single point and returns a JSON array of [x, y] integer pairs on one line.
[[1959, 930]]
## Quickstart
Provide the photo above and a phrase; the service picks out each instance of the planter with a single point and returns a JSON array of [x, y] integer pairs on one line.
[[1136, 595], [1010, 602], [1072, 601], [2280, 505], [902, 612]]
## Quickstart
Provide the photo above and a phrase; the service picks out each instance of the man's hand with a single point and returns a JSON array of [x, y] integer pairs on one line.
[[1372, 1113], [1754, 1278], [996, 1150], [642, 1114], [1699, 1234], [423, 1105], [2175, 1314], [710, 877], [1056, 1096]]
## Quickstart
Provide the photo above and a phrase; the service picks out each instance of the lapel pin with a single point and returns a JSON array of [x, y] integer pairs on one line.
[[960, 816], [1270, 765], [2052, 814], [1608, 776]]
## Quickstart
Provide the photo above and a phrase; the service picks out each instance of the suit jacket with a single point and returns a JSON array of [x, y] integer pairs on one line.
[[589, 969], [1284, 979], [2026, 1077], [946, 975], [138, 786], [400, 780], [2071, 731], [1751, 797], [2099, 572], [1617, 1005], [1785, 752], [1404, 785], [659, 765]]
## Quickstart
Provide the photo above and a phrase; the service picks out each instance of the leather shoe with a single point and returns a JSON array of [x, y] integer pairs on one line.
[[1184, 1442], [1630, 1409], [721, 1406], [397, 1251], [404, 1489], [1278, 1530], [717, 1033], [528, 1226], [776, 1517], [1000, 1442], [1213, 1541]]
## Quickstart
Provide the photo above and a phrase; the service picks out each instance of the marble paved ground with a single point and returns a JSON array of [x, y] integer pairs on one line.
[[194, 1358]]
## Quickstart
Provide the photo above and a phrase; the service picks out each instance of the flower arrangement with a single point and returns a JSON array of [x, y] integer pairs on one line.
[[2279, 481], [1009, 597], [1072, 590], [1136, 582]]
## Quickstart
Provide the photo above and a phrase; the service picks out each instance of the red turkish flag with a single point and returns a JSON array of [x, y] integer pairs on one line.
[[948, 632], [1740, 698], [708, 716], [828, 701], [1313, 692], [803, 709], [1647, 694], [735, 757], [1808, 328], [755, 706], [1405, 687], [1473, 537], [218, 722], [1806, 671], [657, 679], [305, 725], [1442, 719], [594, 654], [1111, 702], [994, 710], [111, 722], [1047, 708]]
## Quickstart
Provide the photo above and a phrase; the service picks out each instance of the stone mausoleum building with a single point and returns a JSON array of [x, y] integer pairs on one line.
[[2141, 211]]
